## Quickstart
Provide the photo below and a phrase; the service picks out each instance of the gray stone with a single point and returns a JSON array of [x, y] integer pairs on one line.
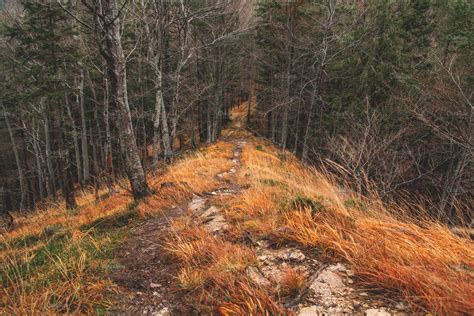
[[196, 204], [163, 312], [339, 267], [309, 311], [255, 275], [216, 224], [210, 212], [328, 280], [377, 312], [292, 254]]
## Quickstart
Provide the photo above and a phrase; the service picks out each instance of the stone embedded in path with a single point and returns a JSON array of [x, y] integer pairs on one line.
[[292, 255], [197, 203], [163, 312], [308, 311], [257, 277], [216, 224], [377, 312], [327, 283], [209, 213], [213, 220]]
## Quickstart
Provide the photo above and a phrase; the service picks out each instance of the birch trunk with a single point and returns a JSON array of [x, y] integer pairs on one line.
[[109, 22], [38, 160], [159, 104], [84, 144], [48, 152]]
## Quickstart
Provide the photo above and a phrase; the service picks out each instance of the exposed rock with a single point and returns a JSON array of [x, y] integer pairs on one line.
[[154, 285], [309, 311], [292, 254], [210, 212], [263, 243], [339, 267], [216, 224], [163, 312], [272, 272], [197, 203], [401, 306], [257, 277], [327, 282], [377, 312]]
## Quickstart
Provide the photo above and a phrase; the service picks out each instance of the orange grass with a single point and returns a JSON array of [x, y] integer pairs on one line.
[[423, 261], [72, 279], [292, 282], [212, 272]]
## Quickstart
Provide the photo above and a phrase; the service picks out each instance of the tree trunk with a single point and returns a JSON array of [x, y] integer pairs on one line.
[[159, 105], [84, 144], [109, 165], [98, 139], [21, 177], [76, 142], [38, 158], [64, 162], [109, 22], [165, 134], [49, 159]]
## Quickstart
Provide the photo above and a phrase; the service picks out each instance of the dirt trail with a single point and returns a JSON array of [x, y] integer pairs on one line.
[[147, 276]]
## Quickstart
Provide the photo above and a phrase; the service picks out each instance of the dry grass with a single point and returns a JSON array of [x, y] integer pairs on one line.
[[57, 261], [423, 261], [292, 283], [212, 274]]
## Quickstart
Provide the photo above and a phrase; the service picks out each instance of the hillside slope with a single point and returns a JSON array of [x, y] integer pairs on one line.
[[236, 228]]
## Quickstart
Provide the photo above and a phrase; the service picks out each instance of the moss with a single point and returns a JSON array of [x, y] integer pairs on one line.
[[273, 183], [302, 202], [21, 242], [355, 204]]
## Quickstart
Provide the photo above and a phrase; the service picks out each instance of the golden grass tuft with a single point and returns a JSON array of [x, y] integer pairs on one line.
[[292, 283], [423, 261], [56, 260], [212, 272]]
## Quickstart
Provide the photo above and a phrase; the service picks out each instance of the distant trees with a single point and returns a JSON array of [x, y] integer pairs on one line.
[[93, 90], [378, 92]]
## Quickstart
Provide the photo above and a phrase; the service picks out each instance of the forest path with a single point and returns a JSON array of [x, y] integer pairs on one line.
[[149, 276]]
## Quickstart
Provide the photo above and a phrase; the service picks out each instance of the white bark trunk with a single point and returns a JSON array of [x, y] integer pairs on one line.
[[109, 22], [84, 144]]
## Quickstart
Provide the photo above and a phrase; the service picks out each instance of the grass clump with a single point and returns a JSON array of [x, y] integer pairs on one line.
[[66, 274], [301, 202], [64, 268], [211, 272], [385, 248]]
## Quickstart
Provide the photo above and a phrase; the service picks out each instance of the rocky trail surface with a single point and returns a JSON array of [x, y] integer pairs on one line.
[[147, 276]]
